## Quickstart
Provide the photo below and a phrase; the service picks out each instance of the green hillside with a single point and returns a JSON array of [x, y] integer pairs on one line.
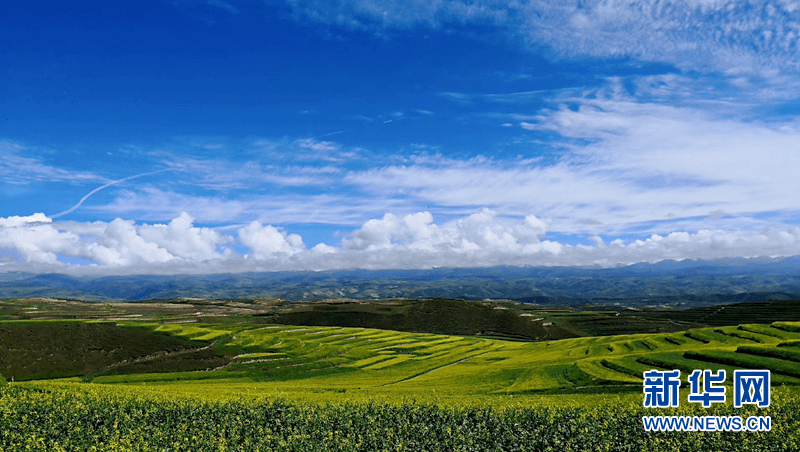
[[326, 363], [364, 362], [239, 385]]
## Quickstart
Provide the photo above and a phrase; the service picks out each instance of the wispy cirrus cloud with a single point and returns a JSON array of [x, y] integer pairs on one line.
[[221, 174], [17, 169], [621, 164], [225, 6], [725, 35], [273, 206], [613, 163]]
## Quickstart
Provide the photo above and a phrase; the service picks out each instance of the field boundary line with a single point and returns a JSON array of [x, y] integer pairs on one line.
[[435, 368]]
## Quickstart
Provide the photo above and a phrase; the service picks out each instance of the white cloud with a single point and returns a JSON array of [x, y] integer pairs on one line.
[[17, 221], [400, 13], [689, 159], [155, 204], [181, 239], [120, 244], [481, 239], [266, 206], [722, 35], [621, 165], [16, 169], [417, 232], [267, 241], [705, 244], [37, 239], [318, 146], [374, 234], [484, 239], [322, 248], [414, 231], [219, 174], [482, 231]]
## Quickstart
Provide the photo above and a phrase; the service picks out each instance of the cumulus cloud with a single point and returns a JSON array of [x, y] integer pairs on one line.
[[483, 238], [416, 230], [479, 239], [482, 231], [704, 244], [267, 241], [181, 239], [120, 244], [17, 221], [37, 239]]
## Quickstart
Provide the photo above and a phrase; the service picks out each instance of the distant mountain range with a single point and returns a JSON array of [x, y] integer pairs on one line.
[[688, 283]]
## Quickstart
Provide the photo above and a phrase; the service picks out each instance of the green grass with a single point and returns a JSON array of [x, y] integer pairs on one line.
[[770, 352], [793, 327], [766, 330], [336, 388], [332, 363], [316, 363], [780, 367]]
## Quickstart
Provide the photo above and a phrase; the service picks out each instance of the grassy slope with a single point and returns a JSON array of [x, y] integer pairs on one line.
[[237, 354], [334, 363]]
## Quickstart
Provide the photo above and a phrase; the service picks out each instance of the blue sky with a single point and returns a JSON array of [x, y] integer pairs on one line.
[[172, 136]]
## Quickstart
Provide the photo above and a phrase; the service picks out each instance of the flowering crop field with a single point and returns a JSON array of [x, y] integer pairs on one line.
[[331, 388], [66, 417]]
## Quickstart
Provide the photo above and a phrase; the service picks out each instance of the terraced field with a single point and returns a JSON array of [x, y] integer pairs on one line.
[[282, 387], [334, 363]]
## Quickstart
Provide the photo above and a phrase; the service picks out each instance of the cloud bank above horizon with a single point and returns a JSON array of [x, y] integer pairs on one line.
[[303, 134], [412, 241]]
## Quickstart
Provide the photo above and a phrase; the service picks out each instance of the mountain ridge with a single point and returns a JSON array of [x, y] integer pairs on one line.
[[676, 283]]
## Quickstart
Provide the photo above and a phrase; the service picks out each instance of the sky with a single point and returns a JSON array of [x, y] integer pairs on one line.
[[231, 135]]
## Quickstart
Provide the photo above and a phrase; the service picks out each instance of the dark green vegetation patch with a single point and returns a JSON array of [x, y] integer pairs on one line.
[[51, 349], [767, 311], [501, 319], [439, 316]]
